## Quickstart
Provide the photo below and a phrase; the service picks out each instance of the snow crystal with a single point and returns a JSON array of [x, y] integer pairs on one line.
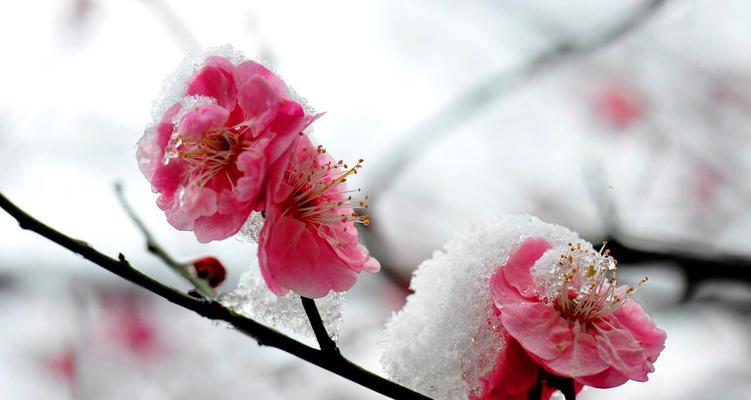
[[253, 299], [189, 104], [443, 340], [252, 228], [548, 271], [175, 85]]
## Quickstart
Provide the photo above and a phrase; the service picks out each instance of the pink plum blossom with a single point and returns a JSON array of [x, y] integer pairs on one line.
[[213, 162], [309, 243], [574, 322]]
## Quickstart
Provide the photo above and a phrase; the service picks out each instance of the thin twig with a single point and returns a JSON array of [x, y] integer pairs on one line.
[[214, 310], [154, 248], [325, 342]]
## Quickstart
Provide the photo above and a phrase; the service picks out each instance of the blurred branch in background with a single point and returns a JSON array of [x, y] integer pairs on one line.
[[475, 100], [154, 248], [699, 262], [214, 310]]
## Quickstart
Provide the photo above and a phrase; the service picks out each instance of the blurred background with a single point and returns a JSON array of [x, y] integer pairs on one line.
[[628, 121]]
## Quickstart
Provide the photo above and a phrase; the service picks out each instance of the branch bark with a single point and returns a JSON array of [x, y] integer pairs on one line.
[[325, 342], [154, 248], [265, 336]]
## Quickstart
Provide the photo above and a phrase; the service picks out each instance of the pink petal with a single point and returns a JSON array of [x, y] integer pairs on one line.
[[538, 328], [168, 178], [251, 69], [277, 189], [286, 126], [581, 358], [218, 226], [259, 103], [608, 378], [150, 150], [194, 202], [345, 243], [263, 254], [215, 80], [619, 349], [251, 184], [518, 268], [196, 123], [297, 259], [514, 374], [371, 265], [229, 217], [501, 293], [632, 317]]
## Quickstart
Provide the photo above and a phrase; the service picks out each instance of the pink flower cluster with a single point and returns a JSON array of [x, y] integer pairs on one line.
[[241, 148], [578, 325]]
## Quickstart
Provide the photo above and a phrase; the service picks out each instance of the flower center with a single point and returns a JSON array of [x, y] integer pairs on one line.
[[213, 155], [319, 195], [589, 290]]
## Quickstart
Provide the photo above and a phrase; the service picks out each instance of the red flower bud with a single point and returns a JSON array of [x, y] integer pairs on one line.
[[211, 270]]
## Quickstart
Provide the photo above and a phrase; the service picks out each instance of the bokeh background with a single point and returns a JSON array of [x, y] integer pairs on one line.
[[628, 121]]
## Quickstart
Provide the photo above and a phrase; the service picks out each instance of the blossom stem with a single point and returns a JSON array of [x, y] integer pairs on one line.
[[215, 310], [324, 340], [182, 269], [536, 392], [564, 385]]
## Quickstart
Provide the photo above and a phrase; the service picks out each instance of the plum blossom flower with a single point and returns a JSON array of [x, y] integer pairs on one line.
[[309, 243], [561, 312], [508, 310], [213, 155]]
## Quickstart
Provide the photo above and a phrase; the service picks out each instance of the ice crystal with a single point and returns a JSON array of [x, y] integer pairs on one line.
[[253, 299], [176, 85], [252, 228]]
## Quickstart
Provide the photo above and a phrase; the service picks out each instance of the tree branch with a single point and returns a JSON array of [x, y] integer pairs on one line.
[[325, 342], [214, 310], [154, 248]]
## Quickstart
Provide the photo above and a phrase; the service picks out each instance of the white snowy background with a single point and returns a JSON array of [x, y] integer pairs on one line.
[[657, 124]]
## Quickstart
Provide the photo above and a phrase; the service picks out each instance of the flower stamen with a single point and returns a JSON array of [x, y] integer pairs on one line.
[[212, 155], [589, 289], [319, 196]]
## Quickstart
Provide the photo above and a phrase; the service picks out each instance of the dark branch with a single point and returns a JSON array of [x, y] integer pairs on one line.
[[698, 267], [154, 248], [325, 342], [214, 310], [565, 385]]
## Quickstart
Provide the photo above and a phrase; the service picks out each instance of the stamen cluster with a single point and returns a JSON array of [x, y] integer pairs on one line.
[[212, 155], [589, 289], [319, 194]]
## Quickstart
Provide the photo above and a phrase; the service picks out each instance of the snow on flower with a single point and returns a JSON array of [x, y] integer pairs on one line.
[[563, 306], [226, 139], [512, 301], [309, 243]]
